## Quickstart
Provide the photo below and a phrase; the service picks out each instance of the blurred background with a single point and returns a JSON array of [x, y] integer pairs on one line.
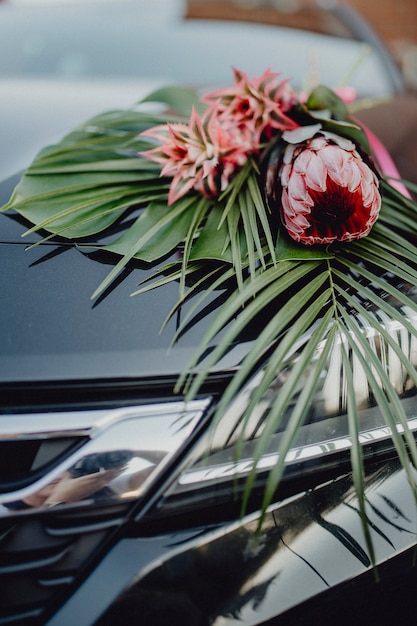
[[396, 23], [394, 20], [62, 61]]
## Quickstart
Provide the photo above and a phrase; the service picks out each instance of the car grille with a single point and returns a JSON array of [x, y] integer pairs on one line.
[[47, 547], [42, 556]]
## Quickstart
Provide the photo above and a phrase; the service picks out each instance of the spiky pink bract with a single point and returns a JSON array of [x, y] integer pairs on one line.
[[202, 156], [258, 106]]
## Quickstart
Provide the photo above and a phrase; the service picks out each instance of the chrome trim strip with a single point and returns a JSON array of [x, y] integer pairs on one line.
[[80, 423], [295, 455]]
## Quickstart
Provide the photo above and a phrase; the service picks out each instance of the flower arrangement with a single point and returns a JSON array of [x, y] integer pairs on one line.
[[278, 200], [328, 191]]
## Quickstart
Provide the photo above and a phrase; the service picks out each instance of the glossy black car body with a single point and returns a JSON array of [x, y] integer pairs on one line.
[[76, 378]]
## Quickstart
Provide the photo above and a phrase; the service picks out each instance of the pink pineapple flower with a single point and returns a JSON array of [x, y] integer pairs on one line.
[[199, 156], [328, 192], [258, 107]]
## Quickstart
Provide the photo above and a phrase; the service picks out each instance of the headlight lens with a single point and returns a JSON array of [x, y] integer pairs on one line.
[[323, 441]]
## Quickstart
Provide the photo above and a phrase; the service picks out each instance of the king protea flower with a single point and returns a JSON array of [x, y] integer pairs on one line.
[[328, 192], [199, 156], [258, 106]]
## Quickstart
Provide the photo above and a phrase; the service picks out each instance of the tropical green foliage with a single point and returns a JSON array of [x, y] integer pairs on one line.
[[94, 177]]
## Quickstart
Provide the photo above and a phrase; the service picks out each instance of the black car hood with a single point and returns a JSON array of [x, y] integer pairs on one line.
[[50, 329]]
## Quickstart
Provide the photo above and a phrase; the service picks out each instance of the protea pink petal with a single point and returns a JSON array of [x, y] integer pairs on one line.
[[285, 172], [203, 155], [354, 179], [298, 189], [295, 223], [156, 132], [155, 154], [313, 170], [169, 169], [335, 162], [196, 128], [300, 208], [344, 208]]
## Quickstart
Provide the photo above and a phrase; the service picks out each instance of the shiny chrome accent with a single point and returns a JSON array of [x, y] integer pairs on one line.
[[121, 451], [300, 454]]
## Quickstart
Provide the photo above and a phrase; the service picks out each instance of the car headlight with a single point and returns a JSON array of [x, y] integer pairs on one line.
[[225, 458]]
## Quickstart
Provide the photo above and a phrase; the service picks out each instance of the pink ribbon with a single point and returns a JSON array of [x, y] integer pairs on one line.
[[387, 165]]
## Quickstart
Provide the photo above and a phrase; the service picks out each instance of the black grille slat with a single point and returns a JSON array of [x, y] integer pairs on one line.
[[5, 534], [22, 618], [29, 562], [41, 556], [85, 521]]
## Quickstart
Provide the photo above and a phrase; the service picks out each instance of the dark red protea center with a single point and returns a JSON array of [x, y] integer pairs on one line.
[[335, 205], [336, 211]]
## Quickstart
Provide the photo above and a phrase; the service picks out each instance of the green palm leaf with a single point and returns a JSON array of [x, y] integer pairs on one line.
[[300, 408], [296, 316], [386, 398], [356, 456], [242, 307]]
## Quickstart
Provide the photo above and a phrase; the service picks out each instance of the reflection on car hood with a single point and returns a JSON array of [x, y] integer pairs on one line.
[[53, 331]]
